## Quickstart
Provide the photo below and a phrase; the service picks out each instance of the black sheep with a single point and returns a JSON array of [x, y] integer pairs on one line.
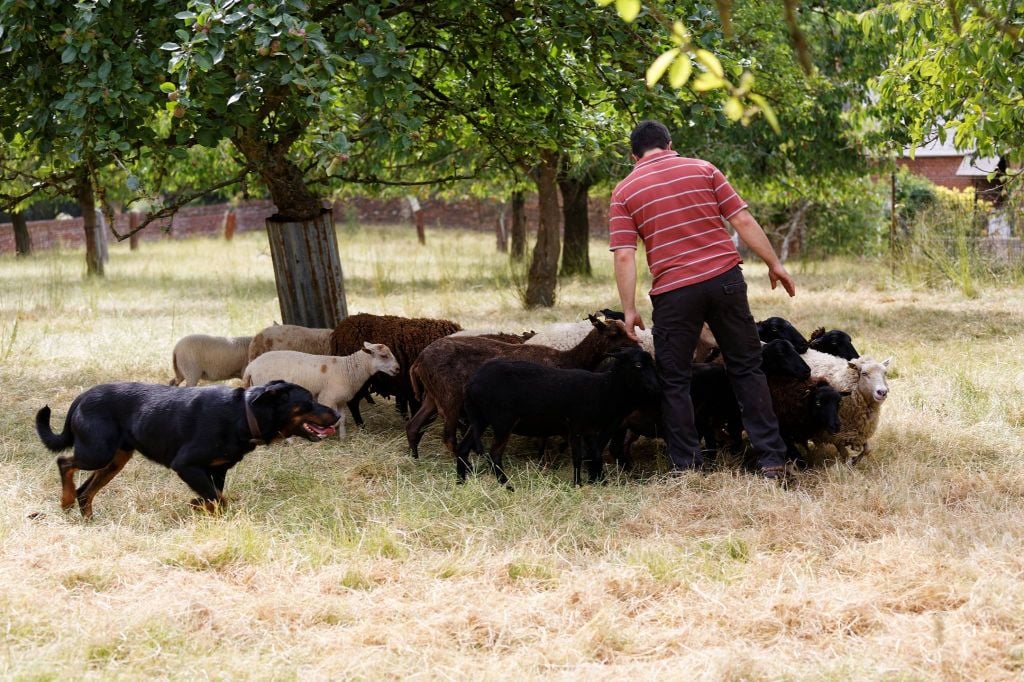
[[779, 358], [834, 342], [804, 407], [529, 399], [781, 328]]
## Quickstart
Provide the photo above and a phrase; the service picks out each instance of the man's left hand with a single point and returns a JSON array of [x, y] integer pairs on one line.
[[777, 274]]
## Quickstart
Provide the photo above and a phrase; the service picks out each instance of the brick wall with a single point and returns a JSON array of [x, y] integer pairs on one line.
[[209, 220]]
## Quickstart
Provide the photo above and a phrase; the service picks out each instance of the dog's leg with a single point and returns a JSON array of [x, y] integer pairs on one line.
[[67, 469], [100, 478], [198, 478]]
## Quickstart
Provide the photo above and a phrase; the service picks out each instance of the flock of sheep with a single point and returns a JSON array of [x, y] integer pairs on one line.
[[585, 381]]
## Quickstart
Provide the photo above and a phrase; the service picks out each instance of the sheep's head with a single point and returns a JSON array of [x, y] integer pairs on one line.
[[382, 358], [781, 328], [871, 382], [824, 405]]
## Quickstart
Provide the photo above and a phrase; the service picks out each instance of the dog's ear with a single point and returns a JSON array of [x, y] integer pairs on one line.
[[271, 391]]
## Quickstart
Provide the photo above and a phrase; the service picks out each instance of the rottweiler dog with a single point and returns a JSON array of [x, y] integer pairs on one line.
[[199, 433]]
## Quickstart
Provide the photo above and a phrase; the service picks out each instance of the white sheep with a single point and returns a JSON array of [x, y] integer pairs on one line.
[[214, 358], [332, 380], [859, 412], [291, 337], [566, 335]]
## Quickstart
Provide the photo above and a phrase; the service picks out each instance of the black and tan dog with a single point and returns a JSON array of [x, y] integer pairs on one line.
[[199, 433]]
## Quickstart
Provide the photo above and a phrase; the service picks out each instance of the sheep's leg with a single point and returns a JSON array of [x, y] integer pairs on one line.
[[415, 427], [462, 455], [863, 453], [594, 446], [617, 448], [628, 441], [577, 459], [497, 450], [353, 409]]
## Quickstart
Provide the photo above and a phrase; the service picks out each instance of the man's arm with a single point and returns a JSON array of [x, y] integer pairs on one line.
[[753, 235], [625, 280]]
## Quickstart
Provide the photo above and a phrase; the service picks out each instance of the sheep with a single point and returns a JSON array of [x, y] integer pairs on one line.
[[833, 342], [715, 409], [805, 408], [441, 372], [331, 379], [565, 335], [781, 328], [513, 396], [858, 413], [779, 358], [497, 335], [406, 337], [214, 358], [290, 337]]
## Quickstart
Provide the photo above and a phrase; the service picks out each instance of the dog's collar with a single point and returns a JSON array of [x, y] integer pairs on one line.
[[254, 427]]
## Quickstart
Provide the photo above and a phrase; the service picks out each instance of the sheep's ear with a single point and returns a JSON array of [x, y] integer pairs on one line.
[[853, 365], [596, 321], [367, 345], [817, 333], [887, 362], [845, 394]]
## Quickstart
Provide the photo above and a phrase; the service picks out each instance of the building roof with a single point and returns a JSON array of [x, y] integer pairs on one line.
[[979, 167]]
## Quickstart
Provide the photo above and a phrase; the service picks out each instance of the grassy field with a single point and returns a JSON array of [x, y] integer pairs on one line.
[[349, 559]]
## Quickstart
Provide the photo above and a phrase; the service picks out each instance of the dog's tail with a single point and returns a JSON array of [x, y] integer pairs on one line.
[[51, 440]]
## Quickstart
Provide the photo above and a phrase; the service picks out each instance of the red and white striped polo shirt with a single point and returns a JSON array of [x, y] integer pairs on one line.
[[676, 205]]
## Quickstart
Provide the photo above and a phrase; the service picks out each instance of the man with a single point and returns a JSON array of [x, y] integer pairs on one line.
[[678, 206]]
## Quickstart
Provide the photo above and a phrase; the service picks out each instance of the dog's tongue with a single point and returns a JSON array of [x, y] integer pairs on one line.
[[322, 431]]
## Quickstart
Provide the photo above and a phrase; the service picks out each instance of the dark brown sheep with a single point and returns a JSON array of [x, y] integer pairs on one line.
[[440, 375], [406, 337]]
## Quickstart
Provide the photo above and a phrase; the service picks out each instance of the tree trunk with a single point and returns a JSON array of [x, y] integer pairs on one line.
[[518, 231], [307, 271], [500, 233], [230, 224], [133, 222], [540, 288], [22, 239], [87, 203], [794, 231], [576, 251], [421, 232], [303, 243]]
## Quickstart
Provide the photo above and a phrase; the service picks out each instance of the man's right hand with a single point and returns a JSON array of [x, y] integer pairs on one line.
[[632, 321]]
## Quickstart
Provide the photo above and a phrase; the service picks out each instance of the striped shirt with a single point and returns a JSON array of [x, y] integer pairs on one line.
[[676, 206]]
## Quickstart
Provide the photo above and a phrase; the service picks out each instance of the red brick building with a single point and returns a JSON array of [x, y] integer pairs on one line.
[[948, 167]]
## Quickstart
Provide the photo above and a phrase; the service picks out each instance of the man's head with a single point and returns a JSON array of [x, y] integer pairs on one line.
[[649, 135]]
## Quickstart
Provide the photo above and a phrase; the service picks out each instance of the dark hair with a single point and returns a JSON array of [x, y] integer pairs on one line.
[[649, 135]]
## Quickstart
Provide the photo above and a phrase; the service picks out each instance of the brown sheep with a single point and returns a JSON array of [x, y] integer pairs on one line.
[[442, 371], [405, 336]]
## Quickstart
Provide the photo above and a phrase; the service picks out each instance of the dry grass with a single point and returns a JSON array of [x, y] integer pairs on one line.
[[349, 559]]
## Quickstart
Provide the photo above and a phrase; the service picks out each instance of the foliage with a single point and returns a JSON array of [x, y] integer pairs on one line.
[[953, 68]]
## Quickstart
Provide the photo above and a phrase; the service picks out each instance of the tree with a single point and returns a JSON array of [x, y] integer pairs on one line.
[[950, 68]]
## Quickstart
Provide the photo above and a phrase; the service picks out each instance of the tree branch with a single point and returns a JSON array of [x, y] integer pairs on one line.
[[168, 211]]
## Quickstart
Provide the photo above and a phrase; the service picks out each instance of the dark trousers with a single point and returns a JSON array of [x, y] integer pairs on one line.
[[678, 317]]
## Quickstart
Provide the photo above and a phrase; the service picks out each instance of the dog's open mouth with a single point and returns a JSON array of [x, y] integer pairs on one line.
[[320, 432]]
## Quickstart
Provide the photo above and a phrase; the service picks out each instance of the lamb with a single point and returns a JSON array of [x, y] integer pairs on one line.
[[859, 413], [214, 358], [331, 379], [406, 337], [290, 337], [442, 371], [833, 342], [805, 408], [531, 399]]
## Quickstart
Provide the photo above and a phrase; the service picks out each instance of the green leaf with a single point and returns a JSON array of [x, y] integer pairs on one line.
[[167, 86], [170, 47], [733, 109], [627, 9], [707, 81], [69, 54], [680, 71], [104, 71], [656, 70], [604, 3], [710, 62]]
